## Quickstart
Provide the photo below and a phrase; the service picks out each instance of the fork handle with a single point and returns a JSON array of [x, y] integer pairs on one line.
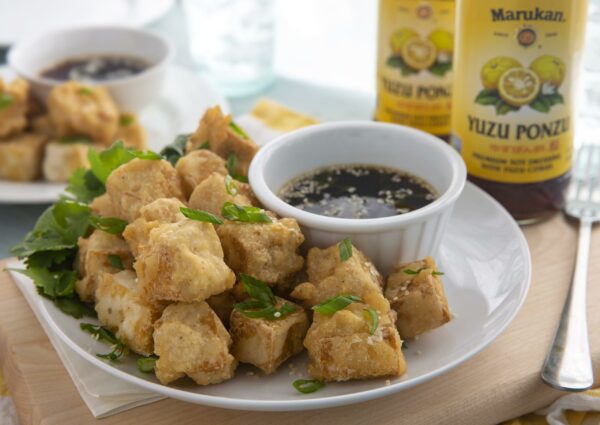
[[568, 366]]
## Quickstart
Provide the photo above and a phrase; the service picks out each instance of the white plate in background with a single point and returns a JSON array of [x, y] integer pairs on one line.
[[23, 18], [486, 281], [184, 99]]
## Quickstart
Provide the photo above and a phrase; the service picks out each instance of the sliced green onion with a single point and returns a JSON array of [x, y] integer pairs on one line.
[[237, 130], [231, 164], [244, 213], [345, 248], [334, 304], [86, 91], [146, 364], [372, 317], [126, 120], [230, 186], [258, 289], [5, 100], [307, 386], [200, 215]]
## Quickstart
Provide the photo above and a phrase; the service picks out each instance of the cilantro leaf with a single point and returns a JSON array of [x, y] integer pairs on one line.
[[49, 283], [103, 163], [75, 307], [85, 186], [112, 225], [116, 261], [100, 333]]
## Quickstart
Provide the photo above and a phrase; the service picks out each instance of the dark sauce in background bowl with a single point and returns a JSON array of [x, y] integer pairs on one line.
[[96, 68], [357, 191]]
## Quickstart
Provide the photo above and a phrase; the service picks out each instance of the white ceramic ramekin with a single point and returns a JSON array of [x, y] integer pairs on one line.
[[386, 241], [32, 56]]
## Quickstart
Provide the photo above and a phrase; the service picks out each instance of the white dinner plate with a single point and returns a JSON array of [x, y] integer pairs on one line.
[[487, 271], [24, 18], [184, 99]]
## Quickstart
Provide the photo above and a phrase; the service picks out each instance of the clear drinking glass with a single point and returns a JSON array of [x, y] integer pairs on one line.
[[232, 42]]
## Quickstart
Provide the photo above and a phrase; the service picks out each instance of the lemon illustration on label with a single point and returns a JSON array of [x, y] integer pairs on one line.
[[399, 38], [550, 69], [443, 40], [419, 53], [508, 86], [518, 86], [493, 70]]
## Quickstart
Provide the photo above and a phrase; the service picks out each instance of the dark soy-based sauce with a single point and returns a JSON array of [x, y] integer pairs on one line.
[[357, 191], [96, 68]]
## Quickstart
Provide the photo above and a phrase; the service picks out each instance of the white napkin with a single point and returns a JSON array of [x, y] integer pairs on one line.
[[103, 393]]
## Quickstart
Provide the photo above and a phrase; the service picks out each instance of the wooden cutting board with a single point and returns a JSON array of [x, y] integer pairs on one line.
[[500, 383]]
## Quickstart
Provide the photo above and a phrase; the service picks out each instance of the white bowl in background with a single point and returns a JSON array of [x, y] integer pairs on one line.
[[386, 241], [34, 55]]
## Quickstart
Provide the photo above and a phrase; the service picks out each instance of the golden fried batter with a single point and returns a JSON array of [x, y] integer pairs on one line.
[[417, 297], [190, 340], [196, 166], [211, 194], [123, 311], [13, 110], [341, 346], [76, 110], [267, 251], [183, 261], [138, 183], [21, 157], [92, 261], [268, 343], [216, 129], [62, 159], [131, 132], [163, 210], [329, 276]]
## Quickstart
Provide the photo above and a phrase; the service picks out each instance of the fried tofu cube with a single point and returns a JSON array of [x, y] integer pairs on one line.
[[138, 183], [62, 159], [121, 309], [14, 104], [341, 346], [21, 157], [196, 166], [43, 125], [163, 210], [183, 261], [264, 343], [220, 132], [329, 276], [131, 132], [77, 110], [416, 294], [190, 340], [102, 206], [211, 194], [267, 251], [92, 261]]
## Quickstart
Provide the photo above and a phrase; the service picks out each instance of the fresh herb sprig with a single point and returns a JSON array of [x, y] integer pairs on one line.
[[345, 249], [307, 386], [100, 333], [200, 215], [176, 149], [244, 213], [337, 303], [112, 225], [262, 303], [126, 120]]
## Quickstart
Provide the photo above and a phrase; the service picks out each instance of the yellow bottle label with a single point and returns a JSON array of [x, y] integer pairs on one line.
[[414, 66], [516, 67]]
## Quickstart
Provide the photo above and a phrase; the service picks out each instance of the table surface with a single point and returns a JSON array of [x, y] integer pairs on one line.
[[499, 383]]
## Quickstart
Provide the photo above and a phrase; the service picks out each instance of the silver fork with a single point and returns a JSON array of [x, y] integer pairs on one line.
[[568, 366]]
